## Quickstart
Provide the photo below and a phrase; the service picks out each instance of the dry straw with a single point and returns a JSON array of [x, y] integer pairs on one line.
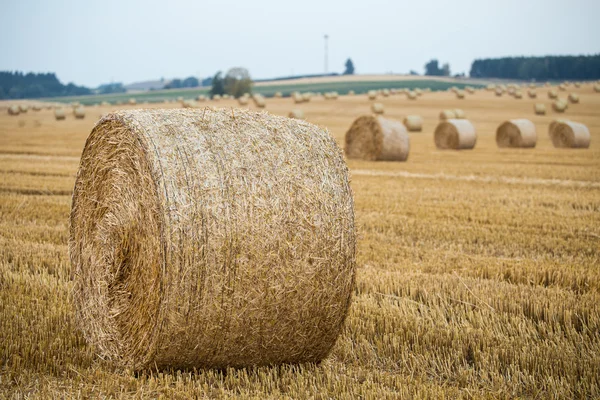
[[552, 94], [516, 133], [79, 112], [189, 104], [414, 123], [518, 94], [539, 109], [385, 92], [457, 134], [560, 105], [211, 238], [574, 98], [447, 114], [60, 114], [296, 113], [569, 134], [307, 96], [14, 110], [216, 97], [375, 138], [377, 108]]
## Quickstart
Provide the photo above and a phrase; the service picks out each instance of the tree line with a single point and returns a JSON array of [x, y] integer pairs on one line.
[[17, 85], [538, 68]]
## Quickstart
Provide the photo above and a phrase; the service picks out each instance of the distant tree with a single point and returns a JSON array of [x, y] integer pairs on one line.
[[432, 68], [174, 84], [190, 82], [107, 88], [237, 82], [217, 85], [207, 81], [16, 85], [413, 72], [446, 69], [349, 67]]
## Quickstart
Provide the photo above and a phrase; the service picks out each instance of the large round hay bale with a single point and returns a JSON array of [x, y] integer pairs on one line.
[[375, 138], [201, 97], [560, 105], [79, 112], [36, 107], [539, 109], [296, 113], [211, 238], [562, 87], [459, 114], [516, 133], [413, 123], [60, 114], [105, 103], [573, 98], [278, 95], [372, 94], [377, 108], [552, 94], [457, 134], [569, 134], [447, 114], [14, 110]]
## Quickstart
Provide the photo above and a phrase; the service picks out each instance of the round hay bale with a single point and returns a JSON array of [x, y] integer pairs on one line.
[[385, 92], [569, 134], [499, 91], [189, 250], [577, 85], [36, 107], [132, 101], [189, 104], [457, 134], [60, 114], [539, 109], [350, 92], [413, 123], [459, 114], [201, 97], [23, 108], [411, 95], [377, 108], [447, 114], [259, 100], [562, 87], [552, 94], [105, 103], [306, 97], [560, 105], [460, 94], [532, 93], [597, 88], [298, 98], [79, 112], [375, 138], [296, 113], [372, 94], [419, 92], [278, 95], [243, 101], [516, 133], [574, 98], [226, 96], [14, 110], [518, 94]]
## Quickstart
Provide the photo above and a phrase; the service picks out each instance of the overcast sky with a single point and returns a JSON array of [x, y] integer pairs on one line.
[[94, 42]]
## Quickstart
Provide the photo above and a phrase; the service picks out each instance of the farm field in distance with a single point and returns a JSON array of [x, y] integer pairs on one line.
[[478, 271]]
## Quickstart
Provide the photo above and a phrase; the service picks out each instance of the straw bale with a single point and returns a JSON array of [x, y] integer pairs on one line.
[[455, 134], [79, 112], [569, 134], [375, 138], [447, 114], [560, 105], [413, 123], [14, 110], [539, 109], [459, 114], [377, 108], [516, 133], [211, 238], [296, 113], [573, 98], [60, 114]]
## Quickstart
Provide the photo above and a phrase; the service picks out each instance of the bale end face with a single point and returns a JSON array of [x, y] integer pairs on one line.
[[569, 134], [456, 134], [374, 138], [516, 133]]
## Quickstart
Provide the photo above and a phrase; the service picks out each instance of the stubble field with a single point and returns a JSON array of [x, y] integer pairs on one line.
[[478, 271]]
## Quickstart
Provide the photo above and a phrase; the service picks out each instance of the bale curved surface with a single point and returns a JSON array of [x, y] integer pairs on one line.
[[414, 123], [516, 133], [14, 110], [211, 238], [375, 138], [569, 134], [457, 134]]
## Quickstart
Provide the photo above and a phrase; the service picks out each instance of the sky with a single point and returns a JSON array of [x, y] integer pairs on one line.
[[94, 42]]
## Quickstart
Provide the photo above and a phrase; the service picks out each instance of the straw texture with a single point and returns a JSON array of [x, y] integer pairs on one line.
[[569, 134], [516, 133], [375, 138], [457, 134], [211, 238]]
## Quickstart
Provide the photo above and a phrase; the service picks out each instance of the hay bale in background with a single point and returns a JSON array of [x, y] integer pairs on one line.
[[14, 110], [518, 94], [413, 123], [350, 92], [573, 98], [296, 113], [447, 114], [297, 97], [597, 88], [105, 103], [552, 94], [377, 108], [60, 114], [560, 105], [201, 97], [243, 101], [385, 92], [216, 97], [411, 95], [23, 108], [459, 114], [182, 244], [532, 93], [562, 87], [516, 133], [457, 134], [460, 94], [189, 104], [132, 101], [499, 91], [36, 107], [375, 138], [278, 95], [306, 97], [539, 109], [569, 134], [259, 100], [79, 112], [372, 94]]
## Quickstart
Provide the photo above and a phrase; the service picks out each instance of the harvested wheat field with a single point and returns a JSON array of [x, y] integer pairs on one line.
[[477, 272]]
